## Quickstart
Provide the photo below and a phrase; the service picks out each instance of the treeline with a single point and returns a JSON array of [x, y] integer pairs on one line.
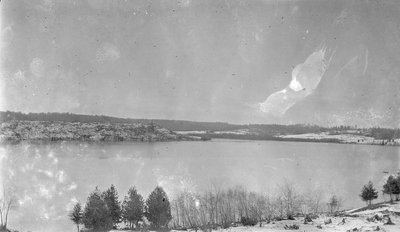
[[64, 117], [103, 211], [391, 187], [223, 208], [214, 208], [384, 133], [262, 137], [176, 125], [261, 131]]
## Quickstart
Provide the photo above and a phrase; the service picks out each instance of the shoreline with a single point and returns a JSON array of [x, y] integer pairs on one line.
[[292, 138], [190, 139], [17, 131]]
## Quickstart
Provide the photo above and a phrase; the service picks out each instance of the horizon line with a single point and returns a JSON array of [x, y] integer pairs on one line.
[[186, 120]]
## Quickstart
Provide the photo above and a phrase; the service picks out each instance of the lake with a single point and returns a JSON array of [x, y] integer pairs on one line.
[[49, 178]]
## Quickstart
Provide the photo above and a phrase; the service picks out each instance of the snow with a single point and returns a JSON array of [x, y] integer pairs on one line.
[[353, 221], [345, 138]]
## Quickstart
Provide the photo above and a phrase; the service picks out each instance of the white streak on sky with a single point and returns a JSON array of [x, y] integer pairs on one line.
[[37, 67], [366, 62], [305, 79], [350, 63]]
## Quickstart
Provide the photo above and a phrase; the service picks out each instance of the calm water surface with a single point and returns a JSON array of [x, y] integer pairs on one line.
[[49, 178]]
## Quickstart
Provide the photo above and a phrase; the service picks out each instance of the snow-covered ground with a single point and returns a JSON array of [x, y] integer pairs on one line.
[[348, 138], [235, 132], [355, 222], [342, 137], [360, 221]]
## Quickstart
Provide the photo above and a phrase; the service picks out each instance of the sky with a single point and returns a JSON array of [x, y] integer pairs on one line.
[[262, 61]]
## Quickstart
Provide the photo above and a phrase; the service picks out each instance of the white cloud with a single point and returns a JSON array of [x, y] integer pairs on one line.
[[37, 67], [342, 17], [7, 35], [366, 61], [61, 176], [72, 186], [19, 75], [108, 52], [48, 173], [184, 3], [45, 192], [294, 9], [25, 199], [70, 205]]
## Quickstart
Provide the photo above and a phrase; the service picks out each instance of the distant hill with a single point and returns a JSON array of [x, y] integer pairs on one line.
[[175, 125], [209, 129]]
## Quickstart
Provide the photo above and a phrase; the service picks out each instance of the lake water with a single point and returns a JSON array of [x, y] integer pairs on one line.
[[48, 178]]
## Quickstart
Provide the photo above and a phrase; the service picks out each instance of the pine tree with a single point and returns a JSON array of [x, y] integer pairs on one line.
[[76, 215], [96, 214], [369, 193], [132, 207], [392, 187], [397, 189], [111, 199], [158, 208]]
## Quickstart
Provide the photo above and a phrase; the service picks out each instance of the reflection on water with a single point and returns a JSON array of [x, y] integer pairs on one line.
[[50, 177]]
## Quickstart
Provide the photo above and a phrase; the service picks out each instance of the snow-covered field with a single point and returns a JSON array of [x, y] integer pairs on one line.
[[343, 138], [234, 132], [346, 138]]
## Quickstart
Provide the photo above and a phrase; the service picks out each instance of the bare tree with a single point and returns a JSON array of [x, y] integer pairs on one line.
[[311, 201], [257, 206], [8, 201], [334, 203], [270, 210], [219, 207], [290, 198], [242, 205]]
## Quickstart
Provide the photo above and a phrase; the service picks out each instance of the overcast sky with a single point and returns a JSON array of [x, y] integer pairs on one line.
[[203, 60]]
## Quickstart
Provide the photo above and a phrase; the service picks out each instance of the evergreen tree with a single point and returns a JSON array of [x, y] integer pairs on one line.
[[397, 189], [114, 206], [158, 208], [392, 187], [96, 214], [132, 207], [369, 193], [76, 215]]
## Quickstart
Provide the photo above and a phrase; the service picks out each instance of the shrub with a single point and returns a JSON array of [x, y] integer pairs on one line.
[[246, 221], [291, 227]]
